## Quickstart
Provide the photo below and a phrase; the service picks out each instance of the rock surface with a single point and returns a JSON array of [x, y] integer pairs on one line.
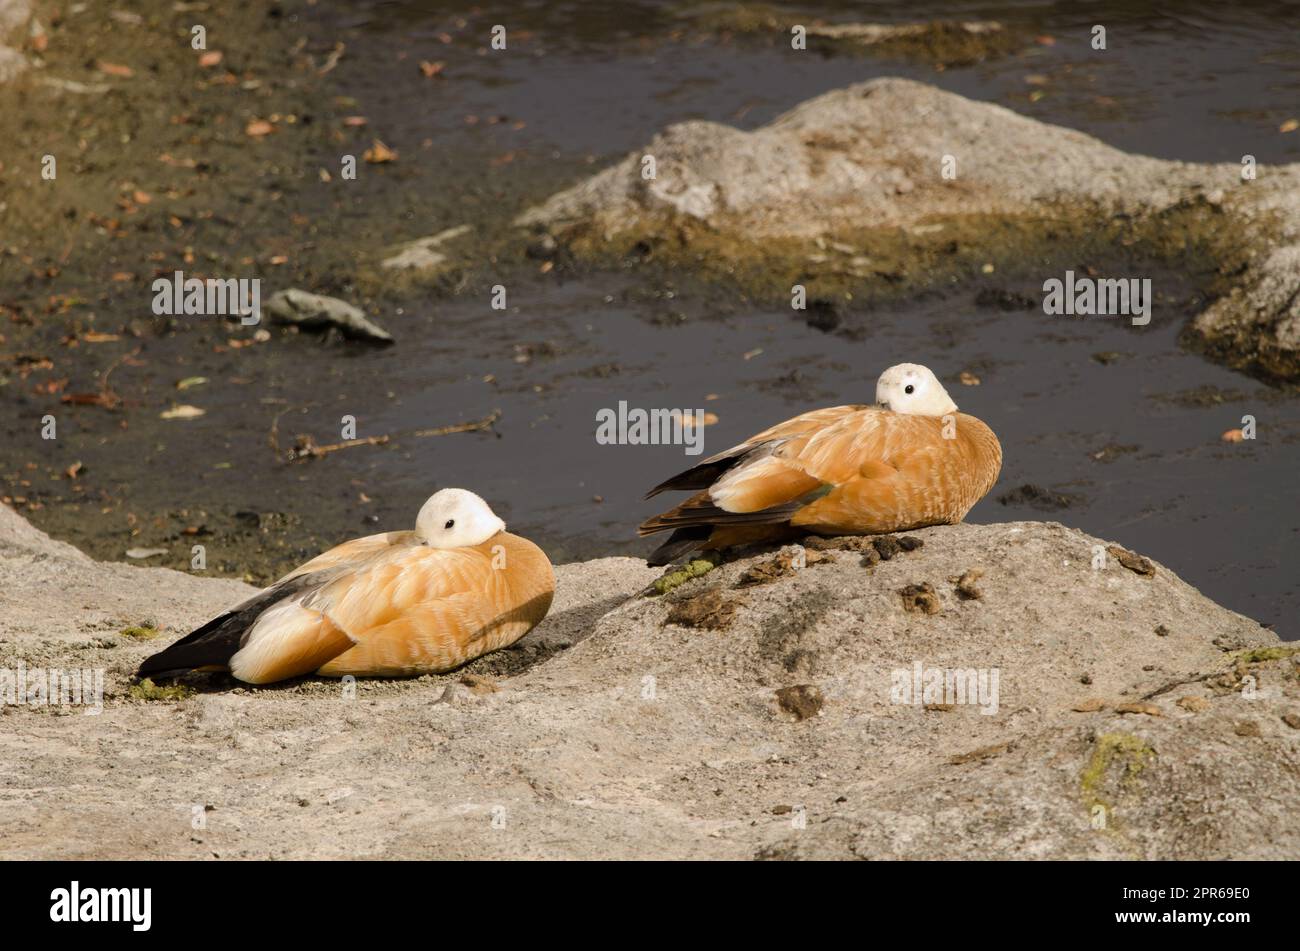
[[14, 18], [422, 254], [853, 182], [608, 732], [318, 312]]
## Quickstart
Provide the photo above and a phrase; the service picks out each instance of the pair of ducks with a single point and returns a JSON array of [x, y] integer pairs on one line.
[[459, 585]]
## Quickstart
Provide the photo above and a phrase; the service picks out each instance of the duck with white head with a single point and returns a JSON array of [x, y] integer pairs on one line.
[[912, 389], [911, 460], [456, 518], [395, 604]]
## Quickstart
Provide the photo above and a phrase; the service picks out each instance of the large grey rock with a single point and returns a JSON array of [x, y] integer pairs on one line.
[[56, 596], [615, 733], [847, 172]]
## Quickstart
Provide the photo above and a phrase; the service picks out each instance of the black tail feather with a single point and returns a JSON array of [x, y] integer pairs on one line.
[[211, 645]]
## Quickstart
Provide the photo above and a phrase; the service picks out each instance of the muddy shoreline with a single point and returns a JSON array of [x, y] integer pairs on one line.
[[160, 174]]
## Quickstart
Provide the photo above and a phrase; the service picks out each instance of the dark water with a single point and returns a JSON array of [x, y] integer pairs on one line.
[[1131, 440], [1205, 82], [591, 82]]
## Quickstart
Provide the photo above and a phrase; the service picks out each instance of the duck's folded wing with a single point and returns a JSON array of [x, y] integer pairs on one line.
[[863, 444], [417, 611], [430, 636], [846, 447], [354, 553], [275, 614], [705, 473], [866, 471], [287, 638], [884, 470], [353, 591]]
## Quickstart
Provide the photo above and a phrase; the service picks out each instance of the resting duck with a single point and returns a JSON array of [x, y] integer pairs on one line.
[[390, 605], [909, 461]]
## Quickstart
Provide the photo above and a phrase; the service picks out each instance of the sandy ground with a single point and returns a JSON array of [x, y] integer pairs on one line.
[[630, 726]]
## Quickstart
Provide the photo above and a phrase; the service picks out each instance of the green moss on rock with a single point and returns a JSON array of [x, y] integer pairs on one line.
[[676, 577], [140, 632], [1124, 750], [1258, 655], [147, 690]]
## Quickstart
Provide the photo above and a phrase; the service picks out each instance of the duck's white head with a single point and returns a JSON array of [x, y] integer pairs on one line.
[[456, 518], [912, 389]]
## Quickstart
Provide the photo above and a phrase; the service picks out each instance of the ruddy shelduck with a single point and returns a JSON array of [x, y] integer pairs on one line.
[[390, 605], [910, 461]]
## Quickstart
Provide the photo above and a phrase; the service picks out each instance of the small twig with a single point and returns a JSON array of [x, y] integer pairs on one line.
[[103, 382], [333, 59], [274, 436], [1198, 678], [474, 427], [72, 243], [105, 396], [308, 449]]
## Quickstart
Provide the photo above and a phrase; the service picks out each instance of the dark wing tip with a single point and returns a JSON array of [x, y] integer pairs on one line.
[[183, 657], [682, 541], [703, 474]]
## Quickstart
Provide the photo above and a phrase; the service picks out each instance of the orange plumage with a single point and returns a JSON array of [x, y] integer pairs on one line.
[[394, 604], [844, 470]]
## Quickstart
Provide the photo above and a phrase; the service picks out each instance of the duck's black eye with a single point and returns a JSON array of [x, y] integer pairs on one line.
[[909, 388], [450, 523]]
